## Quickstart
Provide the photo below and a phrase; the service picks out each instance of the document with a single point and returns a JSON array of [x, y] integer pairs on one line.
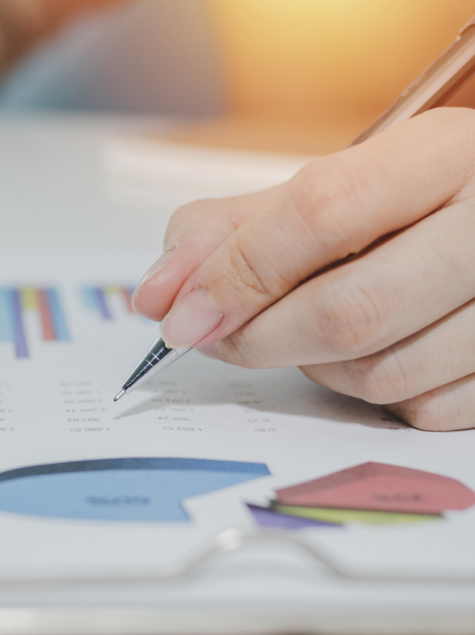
[[91, 489], [87, 484]]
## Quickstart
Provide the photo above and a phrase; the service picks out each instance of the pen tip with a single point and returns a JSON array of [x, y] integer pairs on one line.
[[119, 395]]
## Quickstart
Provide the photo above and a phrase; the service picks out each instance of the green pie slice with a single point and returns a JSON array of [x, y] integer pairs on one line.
[[341, 516]]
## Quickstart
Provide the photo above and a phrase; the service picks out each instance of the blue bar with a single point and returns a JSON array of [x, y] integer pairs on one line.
[[57, 316], [19, 330], [101, 304], [89, 298], [95, 300], [7, 333]]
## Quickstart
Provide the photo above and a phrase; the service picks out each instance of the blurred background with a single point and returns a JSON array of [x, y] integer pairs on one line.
[[298, 76]]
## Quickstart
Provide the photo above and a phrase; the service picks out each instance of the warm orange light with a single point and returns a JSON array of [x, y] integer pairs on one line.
[[313, 59]]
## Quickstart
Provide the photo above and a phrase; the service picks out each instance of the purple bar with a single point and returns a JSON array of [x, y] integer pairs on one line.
[[102, 304], [18, 329], [266, 517]]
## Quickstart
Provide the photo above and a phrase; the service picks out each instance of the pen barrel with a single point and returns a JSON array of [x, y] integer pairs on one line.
[[182, 351], [433, 88]]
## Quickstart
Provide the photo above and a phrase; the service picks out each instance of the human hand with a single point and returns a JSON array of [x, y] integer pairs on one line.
[[269, 279]]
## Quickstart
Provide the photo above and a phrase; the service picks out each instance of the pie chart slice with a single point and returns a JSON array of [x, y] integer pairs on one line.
[[130, 489]]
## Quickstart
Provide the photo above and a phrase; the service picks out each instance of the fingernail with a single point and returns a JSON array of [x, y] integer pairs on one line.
[[155, 268], [190, 320]]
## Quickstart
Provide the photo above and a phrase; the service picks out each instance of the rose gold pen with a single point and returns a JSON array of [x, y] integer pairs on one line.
[[433, 88]]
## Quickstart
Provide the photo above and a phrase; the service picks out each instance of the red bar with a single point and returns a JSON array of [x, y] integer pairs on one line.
[[46, 321], [128, 299]]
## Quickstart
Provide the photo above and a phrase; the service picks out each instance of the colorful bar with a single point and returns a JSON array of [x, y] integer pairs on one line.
[[6, 322], [45, 315], [46, 302], [57, 316], [29, 300], [89, 298], [18, 328], [101, 304], [96, 299]]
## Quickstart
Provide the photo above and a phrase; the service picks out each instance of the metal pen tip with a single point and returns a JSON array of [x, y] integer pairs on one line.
[[119, 395]]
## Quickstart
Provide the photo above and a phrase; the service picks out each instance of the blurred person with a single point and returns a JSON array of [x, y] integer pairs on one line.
[[135, 56], [23, 23]]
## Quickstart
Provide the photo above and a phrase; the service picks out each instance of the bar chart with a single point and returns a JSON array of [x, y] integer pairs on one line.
[[45, 302], [99, 299]]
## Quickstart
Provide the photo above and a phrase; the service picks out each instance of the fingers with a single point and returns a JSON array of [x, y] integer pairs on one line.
[[436, 356], [193, 233], [449, 407], [368, 304], [335, 206]]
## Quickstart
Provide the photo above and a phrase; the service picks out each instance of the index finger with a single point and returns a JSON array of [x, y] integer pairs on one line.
[[333, 207], [194, 232]]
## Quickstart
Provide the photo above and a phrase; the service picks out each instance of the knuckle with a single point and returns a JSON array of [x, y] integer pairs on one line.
[[457, 127], [449, 407], [246, 274], [427, 414], [323, 195], [348, 318], [442, 409], [185, 218], [243, 271], [380, 381], [197, 208]]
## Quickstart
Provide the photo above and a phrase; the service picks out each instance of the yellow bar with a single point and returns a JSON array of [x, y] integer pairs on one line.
[[28, 299], [341, 516]]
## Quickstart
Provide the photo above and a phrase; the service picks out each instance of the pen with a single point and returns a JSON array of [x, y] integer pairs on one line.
[[155, 360], [433, 88]]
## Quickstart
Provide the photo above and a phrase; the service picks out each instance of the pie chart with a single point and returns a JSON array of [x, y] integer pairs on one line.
[[122, 489]]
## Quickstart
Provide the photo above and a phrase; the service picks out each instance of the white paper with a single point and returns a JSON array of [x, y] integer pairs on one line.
[[56, 407]]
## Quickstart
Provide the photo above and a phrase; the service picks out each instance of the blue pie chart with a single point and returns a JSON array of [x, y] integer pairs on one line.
[[127, 489]]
